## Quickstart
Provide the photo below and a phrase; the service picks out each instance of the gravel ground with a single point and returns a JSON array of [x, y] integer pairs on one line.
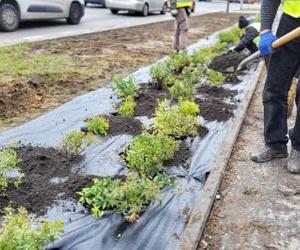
[[259, 204]]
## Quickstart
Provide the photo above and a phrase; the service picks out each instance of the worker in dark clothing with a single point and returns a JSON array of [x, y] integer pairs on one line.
[[283, 65], [249, 35]]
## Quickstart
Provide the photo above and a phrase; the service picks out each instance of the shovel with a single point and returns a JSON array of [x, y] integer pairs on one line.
[[276, 44]]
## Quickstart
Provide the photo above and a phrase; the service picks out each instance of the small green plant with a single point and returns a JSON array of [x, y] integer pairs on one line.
[[127, 107], [182, 89], [160, 72], [129, 197], [229, 37], [75, 142], [215, 78], [125, 88], [178, 61], [147, 153], [9, 161], [19, 232], [189, 108], [170, 121], [98, 125], [250, 190]]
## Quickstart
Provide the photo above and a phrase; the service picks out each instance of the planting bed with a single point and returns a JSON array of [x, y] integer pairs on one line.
[[48, 176], [166, 166], [123, 125]]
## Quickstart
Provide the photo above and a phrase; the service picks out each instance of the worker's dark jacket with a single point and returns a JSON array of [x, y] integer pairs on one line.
[[247, 40]]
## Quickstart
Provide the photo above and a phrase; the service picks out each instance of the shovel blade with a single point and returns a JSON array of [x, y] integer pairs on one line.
[[245, 62]]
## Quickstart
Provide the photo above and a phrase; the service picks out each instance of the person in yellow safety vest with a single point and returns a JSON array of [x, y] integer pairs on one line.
[[249, 35], [180, 9], [282, 67]]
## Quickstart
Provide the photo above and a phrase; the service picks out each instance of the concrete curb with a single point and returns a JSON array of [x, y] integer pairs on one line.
[[206, 197]]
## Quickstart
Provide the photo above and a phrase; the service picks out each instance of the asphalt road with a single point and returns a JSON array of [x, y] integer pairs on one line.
[[97, 19]]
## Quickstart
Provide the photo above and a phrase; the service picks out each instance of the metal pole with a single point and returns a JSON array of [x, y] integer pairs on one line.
[[241, 6], [227, 6]]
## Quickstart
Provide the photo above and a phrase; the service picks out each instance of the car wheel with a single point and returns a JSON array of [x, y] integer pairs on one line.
[[9, 17], [114, 11], [76, 12], [164, 10], [145, 11]]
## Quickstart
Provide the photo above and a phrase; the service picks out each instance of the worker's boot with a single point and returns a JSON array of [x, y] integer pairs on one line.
[[270, 154], [294, 162]]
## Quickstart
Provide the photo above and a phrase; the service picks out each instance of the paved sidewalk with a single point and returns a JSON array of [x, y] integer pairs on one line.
[[259, 205]]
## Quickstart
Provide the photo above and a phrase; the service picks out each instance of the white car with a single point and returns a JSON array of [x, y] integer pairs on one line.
[[12, 12], [141, 6]]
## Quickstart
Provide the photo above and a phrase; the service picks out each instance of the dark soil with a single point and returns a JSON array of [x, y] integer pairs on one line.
[[214, 109], [38, 190], [225, 61], [216, 92], [181, 157], [124, 125], [146, 102], [202, 131]]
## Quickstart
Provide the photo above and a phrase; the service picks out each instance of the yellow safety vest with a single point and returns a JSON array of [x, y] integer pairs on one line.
[[292, 8], [183, 3]]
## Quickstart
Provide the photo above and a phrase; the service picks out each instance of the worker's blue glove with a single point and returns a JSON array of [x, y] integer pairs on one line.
[[265, 43]]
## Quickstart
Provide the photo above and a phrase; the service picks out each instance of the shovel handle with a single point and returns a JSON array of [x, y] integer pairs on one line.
[[286, 38]]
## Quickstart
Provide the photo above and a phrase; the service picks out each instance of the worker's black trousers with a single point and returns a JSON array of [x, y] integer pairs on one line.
[[282, 68]]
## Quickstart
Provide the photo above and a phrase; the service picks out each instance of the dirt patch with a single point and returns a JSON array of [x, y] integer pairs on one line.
[[213, 109], [101, 55], [146, 102], [124, 125], [216, 92], [181, 157], [47, 177], [226, 61]]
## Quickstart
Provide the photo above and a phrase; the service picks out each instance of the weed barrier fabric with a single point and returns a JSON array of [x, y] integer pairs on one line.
[[163, 222]]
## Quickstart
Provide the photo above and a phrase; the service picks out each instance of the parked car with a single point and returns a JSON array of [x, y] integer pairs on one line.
[[12, 12], [141, 6], [101, 2]]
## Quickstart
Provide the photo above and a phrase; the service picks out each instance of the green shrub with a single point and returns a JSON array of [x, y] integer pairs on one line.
[[147, 153], [75, 142], [178, 61], [8, 161], [18, 232], [128, 198], [160, 72], [182, 89], [215, 78], [127, 107], [189, 108], [125, 88], [98, 125], [229, 37], [170, 121]]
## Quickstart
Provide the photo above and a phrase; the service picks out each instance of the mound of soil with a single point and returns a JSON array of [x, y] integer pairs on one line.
[[146, 102], [213, 109], [181, 157], [216, 92], [124, 125], [47, 177], [223, 62]]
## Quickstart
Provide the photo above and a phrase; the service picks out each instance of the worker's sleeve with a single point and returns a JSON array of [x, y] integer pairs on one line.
[[269, 9], [251, 34]]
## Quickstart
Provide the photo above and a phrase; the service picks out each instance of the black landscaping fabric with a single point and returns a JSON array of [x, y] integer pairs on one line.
[[163, 222]]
